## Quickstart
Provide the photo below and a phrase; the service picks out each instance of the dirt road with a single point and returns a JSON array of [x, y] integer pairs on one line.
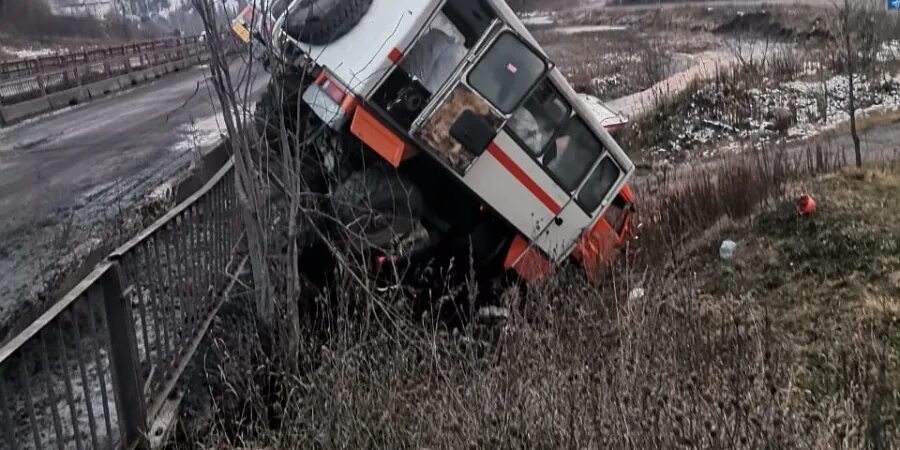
[[705, 66], [67, 176]]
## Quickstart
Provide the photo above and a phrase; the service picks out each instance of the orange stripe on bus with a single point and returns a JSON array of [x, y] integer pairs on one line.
[[523, 178]]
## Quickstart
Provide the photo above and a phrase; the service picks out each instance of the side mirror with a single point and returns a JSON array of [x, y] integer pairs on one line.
[[473, 132]]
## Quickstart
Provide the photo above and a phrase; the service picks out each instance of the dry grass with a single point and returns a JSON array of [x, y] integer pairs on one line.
[[688, 361], [708, 357], [829, 284], [731, 99]]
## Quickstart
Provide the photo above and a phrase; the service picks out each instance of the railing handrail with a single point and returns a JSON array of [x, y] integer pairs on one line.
[[115, 58], [188, 39], [47, 317], [169, 216], [125, 333]]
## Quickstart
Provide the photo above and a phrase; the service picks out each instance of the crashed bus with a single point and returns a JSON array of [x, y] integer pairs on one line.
[[474, 139]]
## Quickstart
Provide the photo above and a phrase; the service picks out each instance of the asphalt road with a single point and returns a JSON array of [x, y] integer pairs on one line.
[[66, 178]]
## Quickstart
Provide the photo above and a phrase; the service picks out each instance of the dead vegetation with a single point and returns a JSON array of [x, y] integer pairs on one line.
[[659, 355], [830, 287], [674, 349], [786, 22], [783, 72], [610, 64], [772, 91], [728, 107]]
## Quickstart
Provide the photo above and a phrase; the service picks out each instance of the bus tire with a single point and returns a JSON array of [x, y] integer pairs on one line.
[[321, 22], [377, 205]]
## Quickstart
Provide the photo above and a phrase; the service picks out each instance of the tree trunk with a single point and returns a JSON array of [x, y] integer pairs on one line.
[[853, 131], [246, 185], [850, 52]]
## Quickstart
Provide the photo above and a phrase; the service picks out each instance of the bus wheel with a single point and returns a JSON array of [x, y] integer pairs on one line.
[[321, 22], [376, 207]]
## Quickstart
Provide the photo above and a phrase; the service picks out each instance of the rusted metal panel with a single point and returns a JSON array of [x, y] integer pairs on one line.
[[436, 131]]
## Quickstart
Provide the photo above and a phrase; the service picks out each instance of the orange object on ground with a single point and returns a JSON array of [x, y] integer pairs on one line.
[[806, 206]]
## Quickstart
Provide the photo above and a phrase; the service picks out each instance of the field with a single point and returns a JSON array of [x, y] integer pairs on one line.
[[794, 343], [700, 80]]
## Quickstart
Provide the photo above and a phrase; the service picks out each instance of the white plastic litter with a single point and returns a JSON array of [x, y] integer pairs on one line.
[[726, 251], [636, 294]]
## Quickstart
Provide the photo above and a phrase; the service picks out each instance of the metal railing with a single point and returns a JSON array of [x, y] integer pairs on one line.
[[32, 66], [97, 367], [84, 72]]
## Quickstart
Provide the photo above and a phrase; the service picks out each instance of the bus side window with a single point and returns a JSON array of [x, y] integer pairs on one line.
[[539, 117]]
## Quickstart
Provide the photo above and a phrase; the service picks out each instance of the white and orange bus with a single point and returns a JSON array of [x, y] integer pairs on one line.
[[459, 100]]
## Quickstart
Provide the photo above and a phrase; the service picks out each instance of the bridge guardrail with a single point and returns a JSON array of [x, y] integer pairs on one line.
[[87, 77], [98, 366], [32, 66], [44, 83]]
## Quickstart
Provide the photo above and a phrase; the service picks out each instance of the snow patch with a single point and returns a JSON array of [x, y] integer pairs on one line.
[[792, 110], [890, 51], [201, 134], [538, 18], [31, 53], [162, 193], [579, 29]]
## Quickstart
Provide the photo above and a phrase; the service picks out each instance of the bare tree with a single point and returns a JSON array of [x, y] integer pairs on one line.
[[248, 190], [855, 29]]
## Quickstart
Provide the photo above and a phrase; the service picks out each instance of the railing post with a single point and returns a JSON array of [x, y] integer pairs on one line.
[[41, 85], [124, 359]]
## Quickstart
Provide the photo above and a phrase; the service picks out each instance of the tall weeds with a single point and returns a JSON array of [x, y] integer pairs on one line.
[[679, 203], [576, 365]]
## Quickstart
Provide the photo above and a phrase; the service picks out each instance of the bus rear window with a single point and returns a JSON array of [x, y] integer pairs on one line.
[[507, 72]]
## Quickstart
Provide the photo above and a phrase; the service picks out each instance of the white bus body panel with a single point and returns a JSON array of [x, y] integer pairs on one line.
[[360, 58], [508, 195], [515, 185], [563, 234]]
